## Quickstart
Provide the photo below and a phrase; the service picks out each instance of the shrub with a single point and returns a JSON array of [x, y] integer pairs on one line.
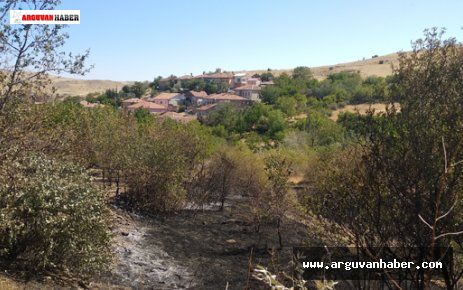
[[51, 217], [278, 169], [402, 185], [162, 157], [231, 170]]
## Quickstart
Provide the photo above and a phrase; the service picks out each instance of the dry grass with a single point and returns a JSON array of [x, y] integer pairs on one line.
[[10, 284], [367, 67], [361, 109], [76, 87]]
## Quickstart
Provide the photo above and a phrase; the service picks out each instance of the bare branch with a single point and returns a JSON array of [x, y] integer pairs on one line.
[[448, 212], [449, 234], [456, 163], [445, 155], [425, 222]]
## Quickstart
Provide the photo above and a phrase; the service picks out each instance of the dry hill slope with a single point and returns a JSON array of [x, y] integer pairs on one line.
[[379, 66], [76, 87]]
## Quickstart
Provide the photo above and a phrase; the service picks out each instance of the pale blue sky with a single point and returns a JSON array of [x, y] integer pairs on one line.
[[138, 40]]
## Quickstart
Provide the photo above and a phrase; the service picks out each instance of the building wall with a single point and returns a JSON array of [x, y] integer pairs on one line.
[[164, 103], [249, 94], [177, 100], [157, 111]]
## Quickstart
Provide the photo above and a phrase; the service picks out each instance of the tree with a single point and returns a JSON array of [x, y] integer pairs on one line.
[[276, 124], [302, 72], [222, 182], [142, 115], [30, 52], [138, 89], [51, 217], [278, 170], [287, 105], [216, 87], [226, 115], [401, 185], [194, 84], [270, 94], [266, 76], [159, 167], [322, 130]]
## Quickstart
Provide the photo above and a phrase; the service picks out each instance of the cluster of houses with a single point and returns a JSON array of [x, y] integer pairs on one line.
[[243, 91]]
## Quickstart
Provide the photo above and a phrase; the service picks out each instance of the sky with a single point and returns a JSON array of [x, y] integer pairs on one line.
[[142, 39]]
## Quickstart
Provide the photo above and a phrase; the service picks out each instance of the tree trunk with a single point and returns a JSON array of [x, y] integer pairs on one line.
[[117, 183]]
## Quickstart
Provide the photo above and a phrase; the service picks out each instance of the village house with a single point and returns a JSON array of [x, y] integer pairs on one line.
[[166, 99], [253, 81], [196, 98], [226, 97], [150, 106], [217, 77], [204, 110], [131, 101], [185, 78], [239, 79], [250, 92]]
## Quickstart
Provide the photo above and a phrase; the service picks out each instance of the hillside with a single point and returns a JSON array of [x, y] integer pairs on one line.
[[76, 87], [367, 67]]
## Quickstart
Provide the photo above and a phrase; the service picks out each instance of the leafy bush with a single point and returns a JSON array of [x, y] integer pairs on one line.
[[160, 162], [322, 130], [51, 217]]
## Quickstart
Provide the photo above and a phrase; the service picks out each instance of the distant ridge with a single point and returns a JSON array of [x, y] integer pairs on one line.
[[378, 66], [78, 87]]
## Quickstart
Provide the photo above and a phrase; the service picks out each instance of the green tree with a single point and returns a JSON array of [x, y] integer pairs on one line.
[[302, 72], [142, 115], [226, 115], [52, 217], [401, 187], [322, 130], [287, 105], [270, 94], [266, 76], [29, 53]]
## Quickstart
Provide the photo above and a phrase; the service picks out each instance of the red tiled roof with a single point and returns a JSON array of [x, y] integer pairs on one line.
[[226, 96], [145, 105], [216, 76], [165, 96], [200, 94], [132, 100], [185, 77]]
